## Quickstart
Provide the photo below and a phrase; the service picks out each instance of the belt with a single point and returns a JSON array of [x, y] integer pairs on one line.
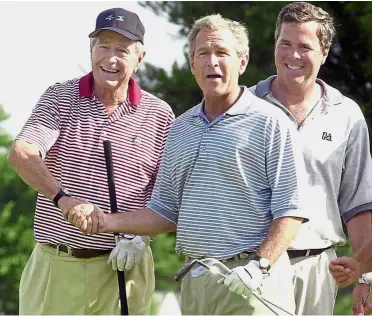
[[306, 252], [81, 253], [242, 255]]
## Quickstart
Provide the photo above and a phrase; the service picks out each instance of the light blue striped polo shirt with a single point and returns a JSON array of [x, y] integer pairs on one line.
[[224, 182]]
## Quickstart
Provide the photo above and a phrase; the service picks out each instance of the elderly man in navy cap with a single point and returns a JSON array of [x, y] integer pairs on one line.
[[59, 152]]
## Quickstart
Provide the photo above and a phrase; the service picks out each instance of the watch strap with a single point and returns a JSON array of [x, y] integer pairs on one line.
[[62, 192]]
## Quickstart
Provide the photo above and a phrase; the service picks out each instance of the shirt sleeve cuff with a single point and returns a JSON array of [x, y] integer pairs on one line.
[[293, 212], [159, 209], [357, 210]]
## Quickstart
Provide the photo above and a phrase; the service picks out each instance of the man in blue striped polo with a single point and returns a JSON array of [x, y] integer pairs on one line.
[[336, 150], [229, 183], [59, 152]]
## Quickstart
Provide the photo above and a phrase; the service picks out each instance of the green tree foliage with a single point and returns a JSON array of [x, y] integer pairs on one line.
[[5, 140], [17, 203], [347, 68]]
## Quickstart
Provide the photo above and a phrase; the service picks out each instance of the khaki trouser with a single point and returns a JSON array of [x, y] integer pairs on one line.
[[315, 288], [55, 283], [203, 296]]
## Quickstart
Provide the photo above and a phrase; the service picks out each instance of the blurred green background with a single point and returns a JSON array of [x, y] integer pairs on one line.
[[348, 68]]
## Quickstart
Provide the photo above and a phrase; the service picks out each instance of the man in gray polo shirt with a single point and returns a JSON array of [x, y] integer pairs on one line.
[[229, 183], [336, 153]]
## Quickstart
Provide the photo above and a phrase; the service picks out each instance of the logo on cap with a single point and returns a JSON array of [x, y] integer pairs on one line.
[[112, 17]]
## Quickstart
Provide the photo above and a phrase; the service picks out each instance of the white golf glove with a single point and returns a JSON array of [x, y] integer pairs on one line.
[[243, 280], [128, 252]]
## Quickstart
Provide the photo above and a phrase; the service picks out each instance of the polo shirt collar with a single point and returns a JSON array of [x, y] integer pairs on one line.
[[331, 95], [241, 106], [86, 89]]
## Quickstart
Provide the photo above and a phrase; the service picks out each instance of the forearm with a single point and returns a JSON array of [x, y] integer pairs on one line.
[[281, 233], [141, 222], [359, 231], [24, 157], [363, 256]]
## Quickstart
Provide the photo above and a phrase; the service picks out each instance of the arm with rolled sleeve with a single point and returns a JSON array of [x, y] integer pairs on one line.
[[355, 194], [284, 164], [34, 141], [287, 179], [355, 198]]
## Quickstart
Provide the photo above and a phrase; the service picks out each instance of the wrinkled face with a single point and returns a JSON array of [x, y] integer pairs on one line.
[[298, 53], [114, 59], [215, 62]]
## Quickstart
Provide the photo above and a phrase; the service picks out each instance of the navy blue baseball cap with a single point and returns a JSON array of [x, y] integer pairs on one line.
[[121, 21]]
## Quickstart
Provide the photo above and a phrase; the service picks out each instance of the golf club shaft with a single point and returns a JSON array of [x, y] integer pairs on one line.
[[267, 302], [113, 206]]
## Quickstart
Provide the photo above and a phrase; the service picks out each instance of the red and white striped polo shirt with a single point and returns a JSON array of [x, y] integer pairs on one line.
[[69, 125]]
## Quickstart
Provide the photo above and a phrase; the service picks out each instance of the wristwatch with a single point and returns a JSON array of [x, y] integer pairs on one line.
[[365, 278], [59, 195], [264, 263], [128, 236]]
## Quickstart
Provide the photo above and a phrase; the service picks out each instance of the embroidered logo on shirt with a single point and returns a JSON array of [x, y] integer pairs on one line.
[[134, 140], [326, 136]]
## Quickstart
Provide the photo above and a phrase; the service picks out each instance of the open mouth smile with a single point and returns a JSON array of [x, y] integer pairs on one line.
[[109, 71]]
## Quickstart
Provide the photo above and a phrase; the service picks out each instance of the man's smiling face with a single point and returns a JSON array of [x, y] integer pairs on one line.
[[298, 53], [114, 59]]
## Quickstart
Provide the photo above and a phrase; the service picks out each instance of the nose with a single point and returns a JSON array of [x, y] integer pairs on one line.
[[112, 58], [212, 60], [295, 54], [111, 55]]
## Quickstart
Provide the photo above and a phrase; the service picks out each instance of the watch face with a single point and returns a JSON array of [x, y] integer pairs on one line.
[[66, 192], [367, 277], [264, 263]]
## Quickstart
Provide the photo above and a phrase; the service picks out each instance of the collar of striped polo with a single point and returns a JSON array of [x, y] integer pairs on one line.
[[241, 106], [331, 94], [86, 89]]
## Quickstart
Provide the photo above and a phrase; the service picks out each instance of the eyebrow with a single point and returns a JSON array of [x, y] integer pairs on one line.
[[284, 40]]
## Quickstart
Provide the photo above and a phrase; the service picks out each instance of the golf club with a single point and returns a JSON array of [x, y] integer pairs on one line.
[[198, 267], [113, 206]]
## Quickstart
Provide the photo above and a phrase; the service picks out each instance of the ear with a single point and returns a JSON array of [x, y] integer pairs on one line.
[[192, 66], [140, 59], [325, 53], [243, 62]]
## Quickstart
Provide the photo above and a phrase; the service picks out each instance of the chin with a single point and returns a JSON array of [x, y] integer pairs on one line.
[[293, 80], [110, 84], [214, 92]]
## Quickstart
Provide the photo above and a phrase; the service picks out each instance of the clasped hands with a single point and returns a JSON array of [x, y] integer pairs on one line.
[[89, 218], [243, 280]]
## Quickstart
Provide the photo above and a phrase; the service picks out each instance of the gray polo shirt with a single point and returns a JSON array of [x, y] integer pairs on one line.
[[338, 162], [224, 182]]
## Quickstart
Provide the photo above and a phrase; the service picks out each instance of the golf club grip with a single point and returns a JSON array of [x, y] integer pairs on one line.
[[113, 206], [110, 175]]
